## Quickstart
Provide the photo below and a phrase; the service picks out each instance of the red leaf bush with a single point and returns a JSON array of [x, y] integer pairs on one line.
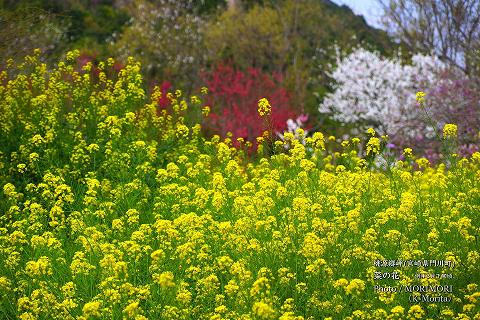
[[233, 97], [164, 101]]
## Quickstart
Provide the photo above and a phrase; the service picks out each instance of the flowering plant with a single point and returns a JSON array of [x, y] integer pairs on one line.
[[234, 98], [379, 92]]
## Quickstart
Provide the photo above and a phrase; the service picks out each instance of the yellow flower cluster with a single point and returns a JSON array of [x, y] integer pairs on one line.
[[420, 97], [264, 107], [450, 131], [124, 211], [373, 146], [407, 152]]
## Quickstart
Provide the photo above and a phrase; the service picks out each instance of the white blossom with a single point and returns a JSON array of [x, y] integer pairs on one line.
[[378, 91]]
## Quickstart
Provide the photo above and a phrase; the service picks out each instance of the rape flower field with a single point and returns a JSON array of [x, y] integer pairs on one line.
[[112, 208]]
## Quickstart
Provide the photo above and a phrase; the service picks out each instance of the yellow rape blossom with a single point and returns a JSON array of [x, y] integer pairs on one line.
[[373, 146], [91, 309], [420, 97], [450, 131], [264, 107], [407, 152], [263, 310], [110, 204]]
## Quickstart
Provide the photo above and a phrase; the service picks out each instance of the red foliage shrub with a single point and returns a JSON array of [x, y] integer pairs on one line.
[[233, 97], [164, 101]]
